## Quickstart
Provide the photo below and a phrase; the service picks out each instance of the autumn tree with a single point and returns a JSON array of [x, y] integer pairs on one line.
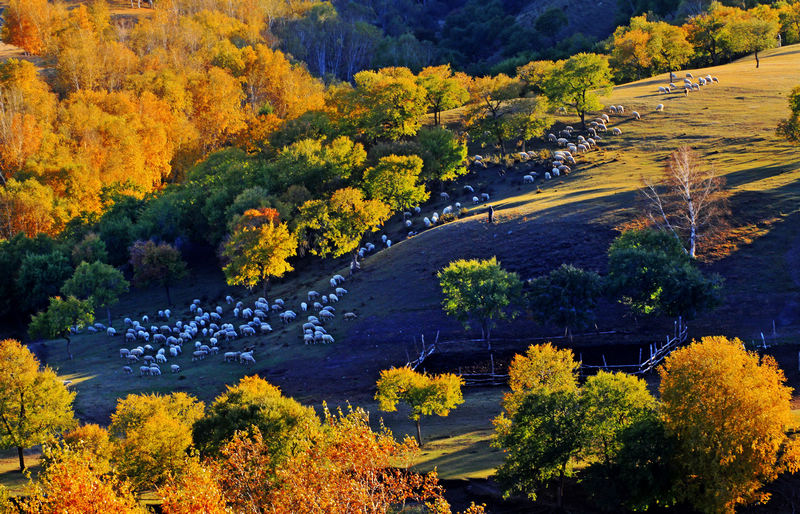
[[442, 90], [254, 402], [648, 47], [30, 24], [30, 208], [152, 434], [258, 249], [424, 394], [72, 482], [534, 73], [790, 127], [688, 201], [89, 249], [156, 265], [652, 274], [394, 180], [478, 290], [754, 34], [578, 83], [443, 154], [34, 403], [729, 410], [489, 118], [530, 119], [99, 283], [566, 296], [336, 226], [60, 318], [195, 489], [95, 441]]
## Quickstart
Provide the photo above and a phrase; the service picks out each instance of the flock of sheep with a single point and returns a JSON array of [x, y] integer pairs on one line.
[[688, 85], [152, 345]]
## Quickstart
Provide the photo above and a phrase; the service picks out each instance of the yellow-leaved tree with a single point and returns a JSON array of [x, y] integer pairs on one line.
[[729, 410]]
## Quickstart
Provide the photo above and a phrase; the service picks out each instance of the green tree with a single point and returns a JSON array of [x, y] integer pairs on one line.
[[530, 119], [443, 154], [754, 34], [489, 120], [566, 296], [390, 103], [578, 83], [89, 249], [99, 283], [60, 317], [156, 265], [534, 74], [254, 402], [790, 127], [258, 249], [40, 276], [424, 394], [34, 403], [395, 181], [152, 434], [442, 90], [729, 410], [478, 290], [337, 225], [669, 46], [652, 274]]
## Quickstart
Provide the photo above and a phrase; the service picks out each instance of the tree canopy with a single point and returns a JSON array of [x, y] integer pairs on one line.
[[60, 318], [156, 265], [578, 83], [97, 282]]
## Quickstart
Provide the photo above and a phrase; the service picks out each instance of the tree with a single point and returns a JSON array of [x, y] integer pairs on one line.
[[689, 200], [60, 318], [196, 489], [578, 82], [390, 103], [152, 435], [394, 181], [336, 226], [729, 410], [566, 296], [442, 91], [443, 154], [258, 249], [254, 402], [790, 127], [534, 73], [530, 119], [754, 34], [95, 441], [99, 283], [480, 290], [653, 274], [425, 395], [72, 482], [89, 249], [669, 45], [156, 265], [489, 118], [647, 46], [40, 276], [34, 403]]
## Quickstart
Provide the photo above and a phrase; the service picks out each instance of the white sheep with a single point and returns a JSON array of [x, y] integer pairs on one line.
[[485, 197], [444, 196], [475, 199], [333, 298], [547, 175], [527, 179], [247, 358], [303, 306], [417, 209], [155, 371], [144, 370], [127, 370], [660, 107], [348, 316], [229, 299], [616, 131], [689, 75], [111, 331], [340, 291], [620, 109], [636, 115], [612, 108], [388, 243], [175, 368], [313, 295]]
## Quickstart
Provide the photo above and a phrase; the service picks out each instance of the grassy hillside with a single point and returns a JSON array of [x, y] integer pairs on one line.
[[571, 220]]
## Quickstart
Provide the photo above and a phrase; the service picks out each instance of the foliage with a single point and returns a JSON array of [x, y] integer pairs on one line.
[[578, 82], [258, 249], [72, 482], [442, 90], [152, 434], [335, 227], [40, 277], [443, 154], [156, 265], [653, 274], [754, 34], [489, 117], [729, 410], [478, 290], [99, 283], [195, 490], [566, 296], [60, 317], [394, 181], [425, 395], [253, 402], [646, 47], [790, 127], [95, 441], [34, 403], [89, 249]]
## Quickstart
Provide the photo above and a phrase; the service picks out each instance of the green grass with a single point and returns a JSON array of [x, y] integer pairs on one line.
[[396, 295]]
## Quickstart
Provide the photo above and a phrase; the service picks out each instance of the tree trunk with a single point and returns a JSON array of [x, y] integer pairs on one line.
[[583, 119], [69, 351], [264, 288], [108, 312], [693, 242], [488, 332], [21, 459], [169, 298], [757, 61], [560, 498], [419, 433]]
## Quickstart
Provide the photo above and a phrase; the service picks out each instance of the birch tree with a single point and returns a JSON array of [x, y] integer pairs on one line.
[[688, 201]]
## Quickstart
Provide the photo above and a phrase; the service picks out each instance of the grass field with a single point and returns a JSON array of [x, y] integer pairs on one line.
[[571, 219]]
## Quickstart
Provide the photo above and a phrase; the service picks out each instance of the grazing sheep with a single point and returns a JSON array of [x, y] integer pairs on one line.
[[417, 209], [229, 299], [127, 322], [144, 370], [230, 356], [111, 331], [175, 368], [388, 243], [199, 355], [660, 107], [689, 76], [313, 295], [636, 115], [161, 358], [616, 131], [303, 306], [247, 358], [333, 298], [547, 175], [155, 371], [475, 199], [612, 108], [341, 291], [562, 141], [527, 179], [123, 353], [484, 197], [349, 316], [469, 189], [127, 370]]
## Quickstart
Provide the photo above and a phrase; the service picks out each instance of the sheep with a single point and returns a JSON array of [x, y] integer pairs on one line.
[[132, 358], [333, 298], [248, 331], [417, 209], [616, 131], [444, 196], [388, 243], [485, 197], [127, 322], [173, 351], [265, 327], [689, 76], [547, 175], [247, 358], [144, 370], [231, 356], [199, 355], [161, 358], [145, 319], [123, 353], [326, 314], [408, 224], [562, 141], [349, 316], [91, 329], [111, 331], [612, 108], [478, 157], [287, 316], [313, 295], [527, 179], [636, 115], [340, 291], [127, 370], [715, 79], [277, 307], [175, 368], [155, 371], [247, 313], [303, 306], [308, 338], [660, 107], [229, 299], [620, 109], [552, 138]]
